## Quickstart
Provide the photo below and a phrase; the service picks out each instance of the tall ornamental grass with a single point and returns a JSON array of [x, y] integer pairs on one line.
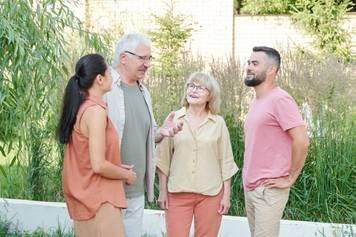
[[324, 90], [38, 51]]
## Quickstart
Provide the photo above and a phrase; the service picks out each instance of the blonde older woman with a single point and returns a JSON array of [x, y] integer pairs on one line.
[[195, 166]]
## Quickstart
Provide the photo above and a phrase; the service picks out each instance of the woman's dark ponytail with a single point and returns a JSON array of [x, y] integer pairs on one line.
[[73, 98], [76, 92]]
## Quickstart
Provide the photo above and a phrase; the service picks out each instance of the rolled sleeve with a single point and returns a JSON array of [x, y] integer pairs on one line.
[[164, 154], [228, 165]]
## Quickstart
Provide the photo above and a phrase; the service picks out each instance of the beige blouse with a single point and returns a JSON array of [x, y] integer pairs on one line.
[[197, 161]]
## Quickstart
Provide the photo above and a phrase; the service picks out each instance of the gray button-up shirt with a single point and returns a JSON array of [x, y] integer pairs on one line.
[[116, 112]]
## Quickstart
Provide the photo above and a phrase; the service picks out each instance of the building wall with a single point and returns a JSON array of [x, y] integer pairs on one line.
[[349, 24], [212, 20], [217, 32], [272, 31], [277, 31]]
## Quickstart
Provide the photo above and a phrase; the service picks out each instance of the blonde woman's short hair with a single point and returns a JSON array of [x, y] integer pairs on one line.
[[203, 79]]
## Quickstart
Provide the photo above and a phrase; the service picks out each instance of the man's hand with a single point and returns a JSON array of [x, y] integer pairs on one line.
[[283, 182], [169, 127]]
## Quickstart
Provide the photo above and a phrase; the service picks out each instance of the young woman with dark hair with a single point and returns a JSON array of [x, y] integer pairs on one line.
[[93, 175]]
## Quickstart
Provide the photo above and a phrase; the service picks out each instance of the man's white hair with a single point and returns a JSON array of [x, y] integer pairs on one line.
[[129, 42]]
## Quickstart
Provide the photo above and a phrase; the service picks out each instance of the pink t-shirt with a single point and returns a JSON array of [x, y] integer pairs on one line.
[[268, 147]]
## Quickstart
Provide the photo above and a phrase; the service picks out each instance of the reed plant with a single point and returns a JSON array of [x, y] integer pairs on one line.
[[9, 229], [324, 90], [325, 189], [33, 71]]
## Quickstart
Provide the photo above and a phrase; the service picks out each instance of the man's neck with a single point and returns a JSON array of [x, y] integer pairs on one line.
[[125, 78], [264, 88]]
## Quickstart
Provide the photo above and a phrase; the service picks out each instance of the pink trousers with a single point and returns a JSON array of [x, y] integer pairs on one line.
[[183, 206]]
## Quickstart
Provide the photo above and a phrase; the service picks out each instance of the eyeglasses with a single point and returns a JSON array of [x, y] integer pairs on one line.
[[192, 86], [142, 58]]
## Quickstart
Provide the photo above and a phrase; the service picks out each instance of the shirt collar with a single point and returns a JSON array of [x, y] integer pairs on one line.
[[183, 112]]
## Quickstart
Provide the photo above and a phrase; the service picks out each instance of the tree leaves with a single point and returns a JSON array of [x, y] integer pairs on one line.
[[36, 51]]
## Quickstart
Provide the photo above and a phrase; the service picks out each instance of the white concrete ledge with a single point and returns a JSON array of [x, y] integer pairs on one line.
[[29, 215]]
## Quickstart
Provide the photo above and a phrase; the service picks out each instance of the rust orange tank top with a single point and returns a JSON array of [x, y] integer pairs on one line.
[[85, 191]]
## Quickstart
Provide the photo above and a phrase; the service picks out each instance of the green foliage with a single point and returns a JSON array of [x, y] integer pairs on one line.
[[36, 59], [33, 61], [170, 38], [325, 178], [34, 65], [322, 19], [5, 228], [237, 142], [256, 7], [324, 190], [8, 229]]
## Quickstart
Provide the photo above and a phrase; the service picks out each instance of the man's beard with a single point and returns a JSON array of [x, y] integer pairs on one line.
[[256, 80]]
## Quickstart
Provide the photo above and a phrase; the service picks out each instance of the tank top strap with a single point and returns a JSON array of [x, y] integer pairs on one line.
[[86, 104]]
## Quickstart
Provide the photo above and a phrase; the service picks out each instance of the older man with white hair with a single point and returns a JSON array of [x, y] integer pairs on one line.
[[130, 109]]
